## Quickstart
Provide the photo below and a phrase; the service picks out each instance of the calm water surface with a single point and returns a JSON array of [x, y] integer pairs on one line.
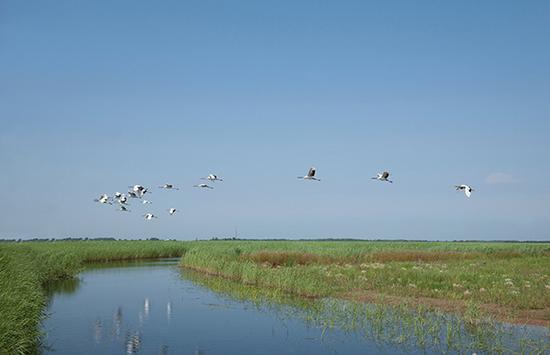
[[155, 308]]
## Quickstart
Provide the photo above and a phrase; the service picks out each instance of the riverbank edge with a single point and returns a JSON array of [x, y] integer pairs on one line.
[[538, 317], [25, 273]]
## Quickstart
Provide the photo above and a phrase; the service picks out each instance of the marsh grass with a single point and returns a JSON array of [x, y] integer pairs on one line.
[[403, 327], [290, 258], [510, 279]]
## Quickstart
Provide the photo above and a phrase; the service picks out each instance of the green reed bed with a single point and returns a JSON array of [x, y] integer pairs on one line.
[[27, 268], [511, 279]]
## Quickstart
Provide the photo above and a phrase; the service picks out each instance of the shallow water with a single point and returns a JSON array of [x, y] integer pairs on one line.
[[153, 307]]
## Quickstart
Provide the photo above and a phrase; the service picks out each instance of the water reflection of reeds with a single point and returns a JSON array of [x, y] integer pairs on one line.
[[62, 287], [401, 326]]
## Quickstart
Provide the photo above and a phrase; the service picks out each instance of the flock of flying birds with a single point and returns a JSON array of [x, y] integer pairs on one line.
[[139, 191], [384, 176]]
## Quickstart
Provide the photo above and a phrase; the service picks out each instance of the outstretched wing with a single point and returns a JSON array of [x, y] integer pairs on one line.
[[468, 191], [385, 175], [311, 172]]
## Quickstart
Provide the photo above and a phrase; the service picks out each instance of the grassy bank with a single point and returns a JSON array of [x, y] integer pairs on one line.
[[509, 281], [25, 269]]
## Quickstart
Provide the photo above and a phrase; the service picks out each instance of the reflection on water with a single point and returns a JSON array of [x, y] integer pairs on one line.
[[418, 331], [156, 308], [117, 321], [146, 307], [97, 331], [168, 310], [58, 287], [133, 343]]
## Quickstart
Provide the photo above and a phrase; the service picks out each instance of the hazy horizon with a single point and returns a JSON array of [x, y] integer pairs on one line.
[[304, 239], [95, 97]]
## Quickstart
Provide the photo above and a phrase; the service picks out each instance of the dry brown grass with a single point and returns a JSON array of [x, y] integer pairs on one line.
[[284, 258]]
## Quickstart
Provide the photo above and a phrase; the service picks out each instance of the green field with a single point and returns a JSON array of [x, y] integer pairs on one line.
[[508, 281]]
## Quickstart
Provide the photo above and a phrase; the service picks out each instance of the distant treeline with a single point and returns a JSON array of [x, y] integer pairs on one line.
[[74, 239], [379, 240], [71, 239]]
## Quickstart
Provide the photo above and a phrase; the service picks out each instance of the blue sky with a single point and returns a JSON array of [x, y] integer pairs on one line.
[[96, 96]]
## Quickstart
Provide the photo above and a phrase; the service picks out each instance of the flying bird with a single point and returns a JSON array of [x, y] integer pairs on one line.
[[122, 199], [212, 177], [139, 190], [123, 209], [172, 211], [146, 202], [144, 191], [104, 198], [149, 216], [204, 186], [310, 175], [466, 188], [382, 177], [168, 187]]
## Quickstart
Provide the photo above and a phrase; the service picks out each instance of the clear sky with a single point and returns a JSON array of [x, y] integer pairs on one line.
[[99, 95]]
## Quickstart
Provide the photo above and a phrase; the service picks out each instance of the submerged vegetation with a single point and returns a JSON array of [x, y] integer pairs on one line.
[[27, 268], [480, 281], [399, 326]]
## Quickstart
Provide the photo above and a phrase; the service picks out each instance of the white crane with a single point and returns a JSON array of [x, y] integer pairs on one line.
[[104, 198], [310, 175], [382, 177], [168, 187], [466, 188], [139, 190], [204, 186], [172, 211], [212, 177], [149, 216], [122, 199]]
